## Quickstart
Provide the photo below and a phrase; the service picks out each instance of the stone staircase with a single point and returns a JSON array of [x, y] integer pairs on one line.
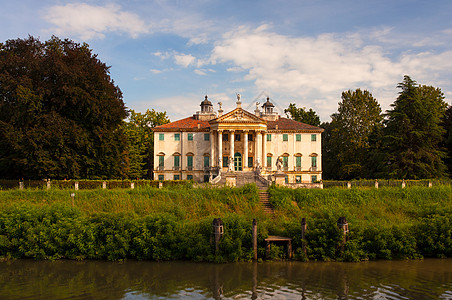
[[244, 178], [265, 202]]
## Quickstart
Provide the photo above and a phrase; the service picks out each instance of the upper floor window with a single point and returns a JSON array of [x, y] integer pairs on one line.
[[250, 137], [190, 161], [161, 161], [298, 137], [269, 137], [177, 161], [190, 136], [298, 161], [177, 136], [207, 136], [225, 137], [313, 137], [269, 161], [314, 161], [285, 137], [206, 161], [237, 137], [161, 136]]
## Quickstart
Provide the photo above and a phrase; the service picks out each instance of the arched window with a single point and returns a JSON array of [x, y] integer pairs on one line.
[[161, 156], [298, 161], [190, 156]]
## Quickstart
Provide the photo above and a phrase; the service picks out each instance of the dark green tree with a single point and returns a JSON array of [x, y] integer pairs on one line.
[[347, 142], [60, 112], [413, 133], [302, 115], [447, 144], [140, 149]]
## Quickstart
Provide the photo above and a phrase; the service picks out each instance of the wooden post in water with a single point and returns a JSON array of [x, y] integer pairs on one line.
[[104, 185], [21, 185], [217, 231], [76, 185], [255, 238], [343, 225], [304, 226], [376, 183]]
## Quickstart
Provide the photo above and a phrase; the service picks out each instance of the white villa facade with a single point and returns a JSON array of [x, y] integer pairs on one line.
[[203, 145]]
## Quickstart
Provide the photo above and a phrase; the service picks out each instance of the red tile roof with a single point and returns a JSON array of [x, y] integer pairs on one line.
[[187, 123], [288, 124]]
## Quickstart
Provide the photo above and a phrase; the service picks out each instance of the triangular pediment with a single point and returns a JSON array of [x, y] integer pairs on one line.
[[238, 115]]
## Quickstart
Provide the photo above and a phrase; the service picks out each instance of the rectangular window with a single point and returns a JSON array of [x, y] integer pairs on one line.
[[313, 137], [298, 137], [285, 160], [298, 161], [207, 136], [298, 179], [161, 161], [237, 137], [269, 137], [176, 177], [189, 177], [314, 162], [314, 178], [250, 162], [225, 137], [286, 179], [250, 137], [190, 136], [206, 178], [177, 136], [206, 161], [161, 177], [177, 161], [225, 161], [190, 161], [161, 136], [269, 161], [285, 137]]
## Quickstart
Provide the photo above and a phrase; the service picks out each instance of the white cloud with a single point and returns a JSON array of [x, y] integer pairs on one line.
[[200, 72], [317, 69], [89, 21], [184, 59], [155, 71]]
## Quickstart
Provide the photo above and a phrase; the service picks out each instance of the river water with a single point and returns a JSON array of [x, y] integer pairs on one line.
[[136, 280]]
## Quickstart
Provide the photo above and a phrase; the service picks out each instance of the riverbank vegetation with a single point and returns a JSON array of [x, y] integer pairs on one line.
[[174, 223]]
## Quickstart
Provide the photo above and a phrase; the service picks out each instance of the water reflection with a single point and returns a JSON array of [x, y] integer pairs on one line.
[[428, 279]]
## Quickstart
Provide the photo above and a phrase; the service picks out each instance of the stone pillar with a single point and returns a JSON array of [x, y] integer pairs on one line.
[[245, 149], [213, 163], [430, 184], [264, 149], [21, 185], [232, 144], [255, 238], [220, 148], [258, 146], [403, 183], [376, 183], [104, 185], [132, 185], [349, 185], [48, 184], [76, 185]]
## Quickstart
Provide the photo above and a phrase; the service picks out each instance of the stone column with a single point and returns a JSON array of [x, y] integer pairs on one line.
[[264, 150], [258, 146], [220, 148], [213, 163], [245, 149], [232, 143]]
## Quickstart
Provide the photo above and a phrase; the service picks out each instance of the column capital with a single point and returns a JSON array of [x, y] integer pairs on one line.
[[220, 130], [245, 131], [231, 130]]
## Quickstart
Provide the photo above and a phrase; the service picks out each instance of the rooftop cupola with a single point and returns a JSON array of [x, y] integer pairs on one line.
[[206, 112], [267, 111]]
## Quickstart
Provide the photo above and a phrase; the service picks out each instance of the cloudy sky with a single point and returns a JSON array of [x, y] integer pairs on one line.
[[166, 55]]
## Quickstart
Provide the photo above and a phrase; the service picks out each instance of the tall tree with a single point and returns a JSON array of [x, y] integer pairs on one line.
[[447, 144], [413, 133], [140, 150], [60, 112], [302, 115], [358, 116]]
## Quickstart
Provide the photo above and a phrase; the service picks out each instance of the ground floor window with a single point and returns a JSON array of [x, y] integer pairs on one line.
[[250, 162], [206, 178], [314, 178], [286, 179], [176, 177], [225, 161], [161, 177], [189, 177], [298, 179], [269, 161]]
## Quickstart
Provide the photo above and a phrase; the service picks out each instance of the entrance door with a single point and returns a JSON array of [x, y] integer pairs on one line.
[[238, 161]]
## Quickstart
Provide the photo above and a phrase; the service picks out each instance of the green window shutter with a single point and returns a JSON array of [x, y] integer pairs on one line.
[[161, 136], [269, 137], [313, 137], [269, 161], [176, 177], [298, 137], [190, 136], [177, 136], [285, 137], [206, 161], [285, 161], [190, 161], [298, 179], [250, 162], [225, 161], [313, 178], [207, 136], [314, 161], [298, 161], [161, 177], [161, 161], [176, 161], [189, 177]]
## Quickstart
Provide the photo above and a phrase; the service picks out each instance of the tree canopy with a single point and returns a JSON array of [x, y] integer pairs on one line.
[[413, 133], [60, 112], [302, 115]]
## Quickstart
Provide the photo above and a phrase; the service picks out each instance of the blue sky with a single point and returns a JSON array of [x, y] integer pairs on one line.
[[166, 55]]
